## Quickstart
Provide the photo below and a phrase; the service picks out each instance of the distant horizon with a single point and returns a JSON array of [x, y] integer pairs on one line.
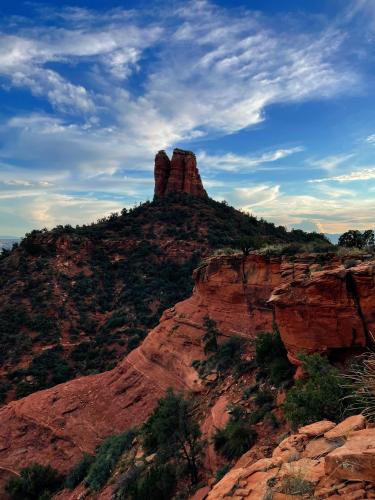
[[274, 98]]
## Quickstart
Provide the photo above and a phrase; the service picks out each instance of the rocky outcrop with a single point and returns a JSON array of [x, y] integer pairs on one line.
[[161, 173], [328, 468], [179, 175], [327, 310]]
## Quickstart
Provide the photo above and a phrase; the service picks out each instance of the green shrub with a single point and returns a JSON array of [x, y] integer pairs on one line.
[[235, 439], [173, 434], [106, 458], [229, 354], [263, 398], [271, 356], [78, 474], [35, 482], [248, 391], [158, 483], [221, 472], [318, 396], [210, 336]]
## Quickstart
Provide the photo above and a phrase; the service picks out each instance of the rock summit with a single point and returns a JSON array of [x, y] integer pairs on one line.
[[178, 175]]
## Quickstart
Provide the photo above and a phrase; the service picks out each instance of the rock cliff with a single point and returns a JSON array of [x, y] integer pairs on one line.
[[178, 175], [325, 310], [56, 425]]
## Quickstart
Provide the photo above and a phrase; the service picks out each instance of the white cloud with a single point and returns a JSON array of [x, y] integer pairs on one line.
[[331, 162], [327, 213], [357, 175], [232, 162], [371, 139], [256, 195]]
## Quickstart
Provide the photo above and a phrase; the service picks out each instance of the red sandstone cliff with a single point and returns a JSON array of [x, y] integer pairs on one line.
[[179, 175], [327, 310], [316, 307]]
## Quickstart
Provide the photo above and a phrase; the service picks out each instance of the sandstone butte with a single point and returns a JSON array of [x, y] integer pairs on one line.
[[317, 306], [178, 175]]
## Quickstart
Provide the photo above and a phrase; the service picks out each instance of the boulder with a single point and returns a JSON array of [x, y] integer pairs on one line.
[[355, 460], [317, 428], [353, 423]]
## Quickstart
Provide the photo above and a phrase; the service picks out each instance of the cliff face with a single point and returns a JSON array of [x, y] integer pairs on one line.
[[327, 310], [316, 306], [179, 175]]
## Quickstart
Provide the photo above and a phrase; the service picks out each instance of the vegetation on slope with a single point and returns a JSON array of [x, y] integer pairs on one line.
[[89, 294]]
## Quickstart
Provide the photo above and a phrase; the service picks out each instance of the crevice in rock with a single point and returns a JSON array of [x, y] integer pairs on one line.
[[353, 293]]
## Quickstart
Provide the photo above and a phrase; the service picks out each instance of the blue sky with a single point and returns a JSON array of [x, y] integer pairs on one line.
[[275, 97]]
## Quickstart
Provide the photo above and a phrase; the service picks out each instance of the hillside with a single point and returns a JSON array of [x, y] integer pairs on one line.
[[74, 301], [56, 426]]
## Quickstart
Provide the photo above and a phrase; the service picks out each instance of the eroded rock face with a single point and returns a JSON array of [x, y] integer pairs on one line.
[[179, 175], [330, 309]]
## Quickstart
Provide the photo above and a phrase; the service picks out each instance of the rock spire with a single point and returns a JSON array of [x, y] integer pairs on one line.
[[178, 175]]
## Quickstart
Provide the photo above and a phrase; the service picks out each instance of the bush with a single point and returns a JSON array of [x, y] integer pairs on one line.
[[210, 336], [78, 474], [361, 386], [271, 356], [229, 354], [35, 483], [158, 483], [107, 456], [318, 396], [173, 434], [235, 439]]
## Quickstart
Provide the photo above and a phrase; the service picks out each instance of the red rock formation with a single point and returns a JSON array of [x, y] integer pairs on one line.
[[316, 310], [180, 175], [161, 173], [310, 456], [329, 309]]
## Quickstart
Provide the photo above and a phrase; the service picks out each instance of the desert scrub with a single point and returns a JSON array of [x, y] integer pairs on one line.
[[235, 439], [360, 381], [36, 482], [78, 474], [320, 395], [271, 357], [106, 459], [296, 484]]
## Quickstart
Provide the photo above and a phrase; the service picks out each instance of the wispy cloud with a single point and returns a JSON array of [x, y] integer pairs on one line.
[[363, 174], [231, 162], [321, 210], [331, 162]]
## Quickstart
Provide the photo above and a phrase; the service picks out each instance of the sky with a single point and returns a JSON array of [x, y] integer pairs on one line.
[[275, 98]]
